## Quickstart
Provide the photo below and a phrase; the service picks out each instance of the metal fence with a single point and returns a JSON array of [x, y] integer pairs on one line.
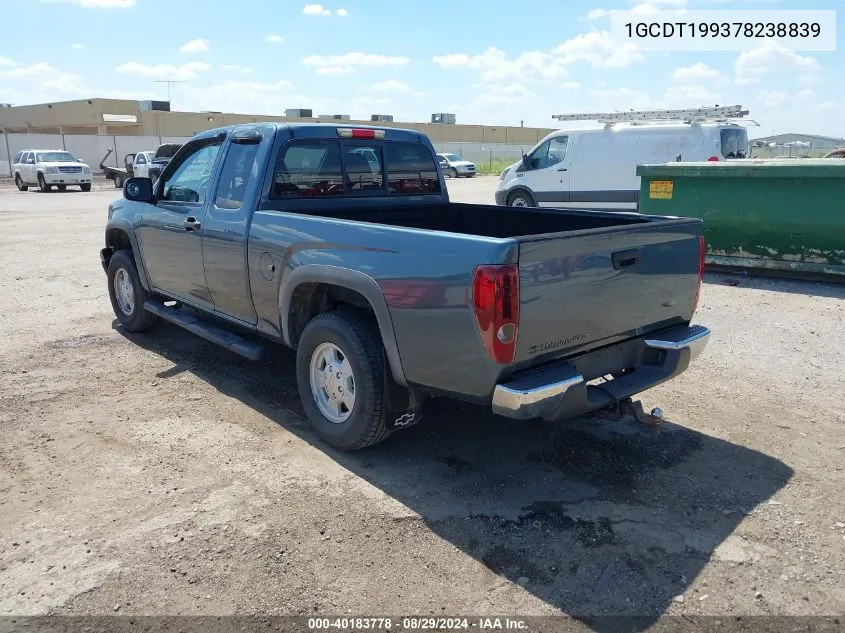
[[91, 148]]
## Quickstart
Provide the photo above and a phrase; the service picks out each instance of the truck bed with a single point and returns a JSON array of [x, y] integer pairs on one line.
[[483, 219]]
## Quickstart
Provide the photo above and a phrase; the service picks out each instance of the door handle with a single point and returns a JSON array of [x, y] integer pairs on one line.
[[563, 169], [625, 259], [191, 224]]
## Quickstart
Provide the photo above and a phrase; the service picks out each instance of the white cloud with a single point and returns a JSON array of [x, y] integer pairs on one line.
[[65, 83], [163, 71], [597, 14], [390, 85], [342, 12], [696, 73], [195, 46], [807, 94], [773, 99], [599, 50], [5, 62], [50, 80], [96, 4], [40, 70], [274, 39], [752, 65], [689, 96], [495, 66], [348, 63], [236, 68], [77, 47], [622, 98], [315, 9]]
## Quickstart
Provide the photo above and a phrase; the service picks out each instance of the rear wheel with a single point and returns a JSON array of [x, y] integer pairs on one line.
[[42, 184], [340, 373], [19, 183], [127, 294], [118, 182], [521, 198]]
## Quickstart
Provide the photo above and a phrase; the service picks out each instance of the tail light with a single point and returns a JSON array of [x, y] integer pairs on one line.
[[713, 159], [702, 251], [495, 299]]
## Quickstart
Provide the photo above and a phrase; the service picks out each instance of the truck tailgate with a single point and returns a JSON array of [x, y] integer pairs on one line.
[[583, 290]]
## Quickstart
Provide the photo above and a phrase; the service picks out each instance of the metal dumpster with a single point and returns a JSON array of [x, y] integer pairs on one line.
[[783, 216]]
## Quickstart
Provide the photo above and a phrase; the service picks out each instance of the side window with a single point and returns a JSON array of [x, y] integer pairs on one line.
[[189, 183], [18, 157], [141, 159], [363, 169], [539, 156], [239, 168], [410, 169], [557, 150], [307, 169]]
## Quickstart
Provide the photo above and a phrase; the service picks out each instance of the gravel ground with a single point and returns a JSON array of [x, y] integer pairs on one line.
[[158, 474]]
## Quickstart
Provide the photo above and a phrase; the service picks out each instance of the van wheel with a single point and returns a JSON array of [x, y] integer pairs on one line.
[[521, 198], [340, 373], [19, 183]]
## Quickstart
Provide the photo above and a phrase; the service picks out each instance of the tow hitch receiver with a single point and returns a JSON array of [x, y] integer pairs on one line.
[[653, 420]]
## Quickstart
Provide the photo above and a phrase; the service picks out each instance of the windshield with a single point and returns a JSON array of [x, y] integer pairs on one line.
[[734, 142], [452, 157], [55, 157]]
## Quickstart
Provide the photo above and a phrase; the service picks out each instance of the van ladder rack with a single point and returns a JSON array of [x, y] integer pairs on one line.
[[716, 113]]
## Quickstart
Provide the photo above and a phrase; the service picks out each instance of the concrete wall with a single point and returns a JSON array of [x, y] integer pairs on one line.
[[91, 148]]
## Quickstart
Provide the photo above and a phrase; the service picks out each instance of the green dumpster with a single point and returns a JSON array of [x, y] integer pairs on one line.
[[776, 215]]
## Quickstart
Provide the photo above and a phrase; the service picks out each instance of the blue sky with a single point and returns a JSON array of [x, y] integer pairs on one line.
[[494, 62]]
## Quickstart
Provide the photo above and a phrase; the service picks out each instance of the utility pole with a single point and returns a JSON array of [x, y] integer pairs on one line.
[[169, 82]]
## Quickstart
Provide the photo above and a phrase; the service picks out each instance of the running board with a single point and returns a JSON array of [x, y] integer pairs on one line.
[[195, 325]]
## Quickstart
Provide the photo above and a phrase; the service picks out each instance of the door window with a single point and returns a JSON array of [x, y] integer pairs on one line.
[[141, 159], [189, 182], [239, 168], [549, 154], [18, 157]]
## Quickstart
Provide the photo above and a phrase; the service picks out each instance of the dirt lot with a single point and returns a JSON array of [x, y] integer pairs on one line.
[[158, 474]]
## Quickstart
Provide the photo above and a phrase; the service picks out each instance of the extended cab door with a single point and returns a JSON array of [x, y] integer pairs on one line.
[[227, 221], [546, 173], [171, 229]]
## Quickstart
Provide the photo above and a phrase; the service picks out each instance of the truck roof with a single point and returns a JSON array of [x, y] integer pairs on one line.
[[316, 130]]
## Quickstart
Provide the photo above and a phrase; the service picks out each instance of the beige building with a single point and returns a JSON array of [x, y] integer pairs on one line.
[[120, 117]]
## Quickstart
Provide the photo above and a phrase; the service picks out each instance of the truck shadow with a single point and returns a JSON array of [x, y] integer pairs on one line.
[[595, 519]]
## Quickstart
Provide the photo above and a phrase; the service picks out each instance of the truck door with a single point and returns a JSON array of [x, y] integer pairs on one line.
[[227, 223], [171, 229], [547, 173]]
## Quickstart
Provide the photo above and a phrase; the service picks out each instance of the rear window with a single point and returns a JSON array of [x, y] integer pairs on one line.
[[307, 169], [734, 142]]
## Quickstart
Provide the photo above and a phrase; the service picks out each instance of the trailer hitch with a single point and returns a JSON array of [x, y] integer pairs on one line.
[[653, 420]]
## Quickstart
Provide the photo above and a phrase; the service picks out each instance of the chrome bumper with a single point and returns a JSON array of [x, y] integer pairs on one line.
[[560, 390]]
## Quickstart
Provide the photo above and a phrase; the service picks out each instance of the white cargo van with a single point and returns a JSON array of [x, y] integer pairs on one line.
[[595, 168]]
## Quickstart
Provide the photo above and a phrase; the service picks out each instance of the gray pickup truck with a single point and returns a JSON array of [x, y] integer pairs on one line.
[[341, 243]]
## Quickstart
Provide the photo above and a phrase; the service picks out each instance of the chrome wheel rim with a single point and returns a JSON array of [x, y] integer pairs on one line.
[[519, 202], [124, 292], [332, 383]]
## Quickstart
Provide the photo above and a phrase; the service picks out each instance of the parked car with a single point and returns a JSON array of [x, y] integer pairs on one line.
[[161, 158], [597, 168], [455, 166], [48, 168], [284, 233], [839, 152]]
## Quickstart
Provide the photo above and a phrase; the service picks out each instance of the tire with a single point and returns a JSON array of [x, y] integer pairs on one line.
[[454, 173], [127, 301], [344, 335], [19, 183], [61, 187], [85, 187], [520, 198], [118, 182], [42, 184]]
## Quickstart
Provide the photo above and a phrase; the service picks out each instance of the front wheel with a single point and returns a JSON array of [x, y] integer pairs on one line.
[[19, 183], [520, 199], [42, 184], [340, 373], [127, 294], [85, 187]]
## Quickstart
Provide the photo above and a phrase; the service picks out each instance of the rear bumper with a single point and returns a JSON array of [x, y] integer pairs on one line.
[[560, 390]]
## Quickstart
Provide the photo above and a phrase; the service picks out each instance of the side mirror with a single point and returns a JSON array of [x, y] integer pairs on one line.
[[138, 190]]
